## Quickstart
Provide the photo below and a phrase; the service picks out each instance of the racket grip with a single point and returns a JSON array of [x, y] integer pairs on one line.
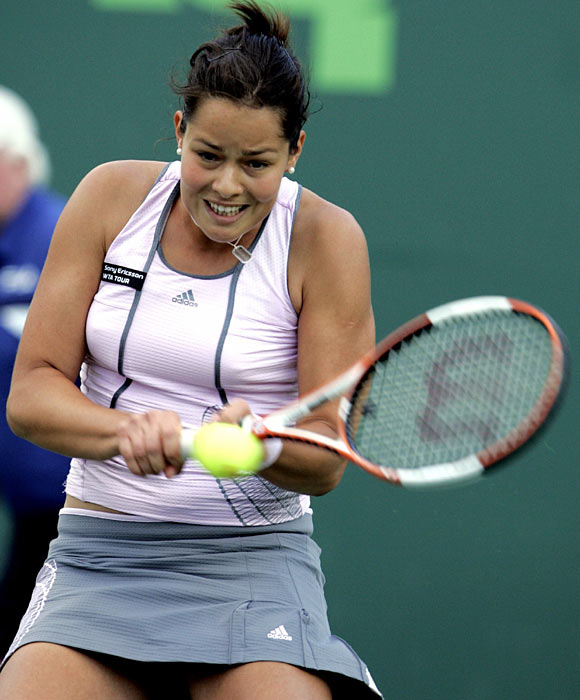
[[248, 421], [273, 449], [187, 437], [272, 446]]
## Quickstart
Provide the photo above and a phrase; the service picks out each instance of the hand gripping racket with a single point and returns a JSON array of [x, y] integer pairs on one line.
[[443, 398]]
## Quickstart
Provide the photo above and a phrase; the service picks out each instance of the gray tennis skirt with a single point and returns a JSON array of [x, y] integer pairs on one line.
[[173, 592]]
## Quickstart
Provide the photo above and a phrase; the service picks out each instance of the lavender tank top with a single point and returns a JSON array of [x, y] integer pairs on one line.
[[161, 339]]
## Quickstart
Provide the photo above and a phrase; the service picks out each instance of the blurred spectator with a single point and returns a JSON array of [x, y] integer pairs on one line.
[[31, 479]]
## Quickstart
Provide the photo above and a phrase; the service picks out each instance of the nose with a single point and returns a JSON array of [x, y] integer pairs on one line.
[[226, 183]]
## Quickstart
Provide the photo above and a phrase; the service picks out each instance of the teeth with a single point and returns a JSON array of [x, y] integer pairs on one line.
[[225, 211]]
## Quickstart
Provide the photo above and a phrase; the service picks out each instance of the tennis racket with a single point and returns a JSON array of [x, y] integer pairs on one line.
[[443, 398]]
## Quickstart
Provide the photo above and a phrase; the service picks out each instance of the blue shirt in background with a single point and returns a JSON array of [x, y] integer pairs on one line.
[[31, 478]]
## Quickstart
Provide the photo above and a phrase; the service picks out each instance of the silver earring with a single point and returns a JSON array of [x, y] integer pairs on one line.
[[178, 151], [291, 170]]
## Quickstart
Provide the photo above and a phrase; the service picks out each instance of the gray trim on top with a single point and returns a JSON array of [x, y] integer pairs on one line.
[[297, 204], [161, 174], [237, 271], [231, 271], [225, 328], [156, 237]]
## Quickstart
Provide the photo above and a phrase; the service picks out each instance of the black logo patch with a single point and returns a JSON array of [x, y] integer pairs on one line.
[[117, 274]]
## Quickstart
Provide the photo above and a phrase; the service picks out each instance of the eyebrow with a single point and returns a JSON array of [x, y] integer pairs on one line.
[[257, 152]]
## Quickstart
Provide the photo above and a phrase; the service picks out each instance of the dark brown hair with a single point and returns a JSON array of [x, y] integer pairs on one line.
[[251, 63]]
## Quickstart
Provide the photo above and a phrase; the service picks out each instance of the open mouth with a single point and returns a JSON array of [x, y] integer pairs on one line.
[[226, 210]]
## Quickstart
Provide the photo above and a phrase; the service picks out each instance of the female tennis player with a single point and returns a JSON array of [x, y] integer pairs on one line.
[[183, 293]]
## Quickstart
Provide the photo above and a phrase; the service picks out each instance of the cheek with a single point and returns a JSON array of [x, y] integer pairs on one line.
[[265, 189], [192, 178]]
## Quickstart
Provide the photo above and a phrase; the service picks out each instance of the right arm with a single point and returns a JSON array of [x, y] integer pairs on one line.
[[45, 406]]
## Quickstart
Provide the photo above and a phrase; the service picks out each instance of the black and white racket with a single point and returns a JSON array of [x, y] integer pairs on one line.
[[443, 398]]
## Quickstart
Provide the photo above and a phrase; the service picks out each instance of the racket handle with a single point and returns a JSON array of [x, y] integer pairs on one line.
[[248, 422], [187, 437], [272, 446]]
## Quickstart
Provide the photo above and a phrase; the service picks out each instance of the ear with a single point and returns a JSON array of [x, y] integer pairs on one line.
[[179, 126], [295, 152]]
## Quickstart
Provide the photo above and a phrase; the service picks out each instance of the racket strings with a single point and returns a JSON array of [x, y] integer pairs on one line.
[[452, 391]]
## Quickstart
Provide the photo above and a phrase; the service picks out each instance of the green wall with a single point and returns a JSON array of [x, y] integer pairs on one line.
[[459, 155]]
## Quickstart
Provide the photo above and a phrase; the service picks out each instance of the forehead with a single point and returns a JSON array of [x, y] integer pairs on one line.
[[229, 121]]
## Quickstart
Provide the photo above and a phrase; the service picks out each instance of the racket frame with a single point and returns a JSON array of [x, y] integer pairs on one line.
[[281, 423]]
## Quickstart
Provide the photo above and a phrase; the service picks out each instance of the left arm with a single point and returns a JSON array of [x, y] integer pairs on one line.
[[329, 281]]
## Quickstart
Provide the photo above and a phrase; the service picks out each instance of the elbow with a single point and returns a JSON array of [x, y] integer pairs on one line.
[[331, 480], [323, 490], [14, 418]]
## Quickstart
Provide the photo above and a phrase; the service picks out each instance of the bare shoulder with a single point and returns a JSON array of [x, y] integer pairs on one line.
[[322, 222], [329, 248], [99, 208], [121, 181], [132, 173], [114, 190]]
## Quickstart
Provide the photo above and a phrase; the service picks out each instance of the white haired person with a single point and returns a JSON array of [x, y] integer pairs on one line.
[[31, 479], [167, 581]]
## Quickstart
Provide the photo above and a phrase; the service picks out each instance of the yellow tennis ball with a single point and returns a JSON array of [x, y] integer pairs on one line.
[[227, 450]]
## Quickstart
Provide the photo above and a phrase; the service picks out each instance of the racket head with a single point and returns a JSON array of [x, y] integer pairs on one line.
[[455, 391]]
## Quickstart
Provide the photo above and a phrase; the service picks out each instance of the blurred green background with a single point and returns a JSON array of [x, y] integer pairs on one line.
[[450, 130]]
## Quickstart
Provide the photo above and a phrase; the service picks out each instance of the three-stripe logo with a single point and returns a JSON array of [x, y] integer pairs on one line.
[[186, 298]]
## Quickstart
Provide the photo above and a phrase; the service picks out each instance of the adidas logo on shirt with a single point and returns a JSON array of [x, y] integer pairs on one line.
[[186, 298], [280, 633]]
